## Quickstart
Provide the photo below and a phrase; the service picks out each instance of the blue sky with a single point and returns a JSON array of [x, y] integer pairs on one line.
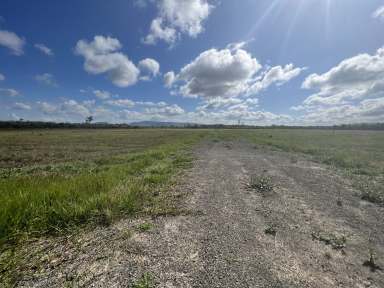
[[208, 61]]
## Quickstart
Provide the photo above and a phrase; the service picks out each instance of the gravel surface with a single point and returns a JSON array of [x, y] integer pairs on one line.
[[310, 229]]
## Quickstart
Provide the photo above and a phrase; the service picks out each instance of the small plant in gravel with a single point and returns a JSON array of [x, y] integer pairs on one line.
[[143, 227], [371, 262], [336, 242], [271, 230], [371, 190], [145, 281], [261, 184]]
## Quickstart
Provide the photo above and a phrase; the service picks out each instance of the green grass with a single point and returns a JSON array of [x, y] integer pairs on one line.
[[146, 281], [49, 201], [143, 227]]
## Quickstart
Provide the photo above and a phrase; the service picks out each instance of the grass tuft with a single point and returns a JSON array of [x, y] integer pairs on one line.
[[262, 184], [145, 281]]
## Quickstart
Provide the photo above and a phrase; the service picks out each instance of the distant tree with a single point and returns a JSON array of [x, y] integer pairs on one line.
[[89, 119]]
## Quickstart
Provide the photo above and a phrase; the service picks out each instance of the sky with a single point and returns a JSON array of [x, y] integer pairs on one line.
[[258, 62]]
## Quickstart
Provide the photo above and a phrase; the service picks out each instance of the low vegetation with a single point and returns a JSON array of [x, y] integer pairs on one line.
[[49, 199], [262, 184], [143, 227], [337, 242], [146, 281]]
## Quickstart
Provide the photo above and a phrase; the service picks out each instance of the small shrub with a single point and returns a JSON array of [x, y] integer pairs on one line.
[[371, 263], [143, 227], [146, 281], [336, 242], [262, 184], [271, 230], [371, 191]]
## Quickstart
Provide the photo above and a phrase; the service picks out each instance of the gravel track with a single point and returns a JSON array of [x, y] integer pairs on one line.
[[221, 241]]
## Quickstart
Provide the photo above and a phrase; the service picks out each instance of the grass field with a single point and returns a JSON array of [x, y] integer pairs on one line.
[[51, 181], [55, 180]]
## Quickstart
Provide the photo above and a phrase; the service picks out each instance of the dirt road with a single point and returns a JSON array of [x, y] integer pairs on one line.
[[312, 230]]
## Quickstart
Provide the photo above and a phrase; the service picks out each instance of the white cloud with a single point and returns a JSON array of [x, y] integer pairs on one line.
[[354, 78], [47, 79], [73, 108], [21, 106], [218, 73], [46, 108], [68, 110], [218, 102], [369, 110], [176, 17], [159, 32], [9, 92], [12, 42], [2, 77], [228, 73], [169, 78], [276, 75], [102, 94], [151, 104], [44, 49], [150, 67], [171, 110], [102, 56], [121, 103], [379, 13], [89, 103], [350, 92]]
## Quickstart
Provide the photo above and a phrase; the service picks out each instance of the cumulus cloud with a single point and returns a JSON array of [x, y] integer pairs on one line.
[[379, 13], [150, 67], [2, 77], [171, 110], [218, 102], [350, 92], [46, 108], [276, 75], [47, 79], [21, 106], [354, 78], [218, 73], [368, 110], [13, 42], [44, 49], [121, 103], [101, 56], [103, 95], [9, 92], [68, 110], [176, 17], [151, 104], [73, 108], [169, 78], [160, 32], [228, 73]]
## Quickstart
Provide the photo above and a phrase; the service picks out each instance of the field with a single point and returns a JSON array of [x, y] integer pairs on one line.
[[56, 184]]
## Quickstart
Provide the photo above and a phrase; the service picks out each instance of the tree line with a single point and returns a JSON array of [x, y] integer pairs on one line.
[[89, 125]]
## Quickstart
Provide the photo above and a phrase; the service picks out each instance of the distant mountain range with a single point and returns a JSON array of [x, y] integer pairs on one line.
[[160, 124]]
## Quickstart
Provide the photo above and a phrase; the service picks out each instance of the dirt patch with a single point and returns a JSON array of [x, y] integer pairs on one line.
[[222, 239]]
